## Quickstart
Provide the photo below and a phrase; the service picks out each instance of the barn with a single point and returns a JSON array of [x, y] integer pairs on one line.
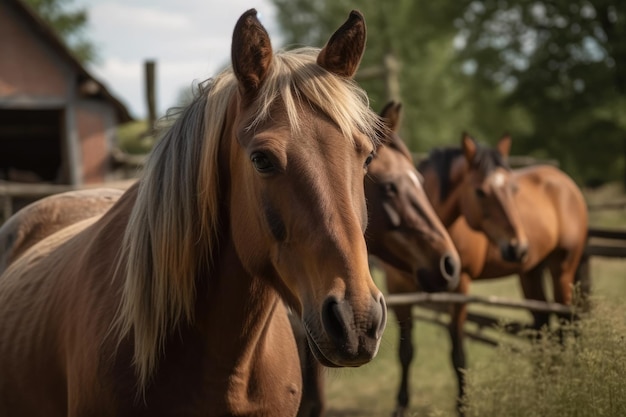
[[57, 121]]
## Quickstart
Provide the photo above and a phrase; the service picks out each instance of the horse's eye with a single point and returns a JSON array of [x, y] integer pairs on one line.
[[368, 160], [390, 189], [480, 193], [261, 162]]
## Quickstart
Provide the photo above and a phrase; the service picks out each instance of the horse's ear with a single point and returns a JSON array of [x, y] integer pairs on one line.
[[251, 54], [344, 50], [504, 145], [469, 147], [391, 115]]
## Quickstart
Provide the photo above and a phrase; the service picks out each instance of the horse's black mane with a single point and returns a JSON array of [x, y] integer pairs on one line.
[[440, 159]]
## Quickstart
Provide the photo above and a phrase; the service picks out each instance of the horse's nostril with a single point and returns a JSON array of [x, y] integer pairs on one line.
[[381, 316], [449, 267], [333, 318], [514, 252], [522, 252]]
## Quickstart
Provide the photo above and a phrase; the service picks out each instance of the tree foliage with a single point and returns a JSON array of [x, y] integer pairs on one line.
[[564, 61], [438, 102], [552, 73], [70, 25]]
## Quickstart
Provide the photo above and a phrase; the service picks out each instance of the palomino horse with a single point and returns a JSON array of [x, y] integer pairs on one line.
[[397, 206], [503, 222], [404, 231], [171, 303]]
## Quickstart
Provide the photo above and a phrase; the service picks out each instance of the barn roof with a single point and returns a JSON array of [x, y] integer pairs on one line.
[[88, 84]]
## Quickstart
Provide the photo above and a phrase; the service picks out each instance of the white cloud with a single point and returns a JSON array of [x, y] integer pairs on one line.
[[139, 18], [188, 39]]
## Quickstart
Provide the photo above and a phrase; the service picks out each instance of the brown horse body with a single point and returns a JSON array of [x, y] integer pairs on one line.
[[172, 302], [535, 216], [47, 216]]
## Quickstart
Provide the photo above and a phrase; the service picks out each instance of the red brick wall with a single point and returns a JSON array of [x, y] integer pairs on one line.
[[27, 67], [93, 144]]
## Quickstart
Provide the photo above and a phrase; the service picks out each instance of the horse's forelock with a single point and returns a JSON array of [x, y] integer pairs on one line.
[[488, 159], [297, 79]]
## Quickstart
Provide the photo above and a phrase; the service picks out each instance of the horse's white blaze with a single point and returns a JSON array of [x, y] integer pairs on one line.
[[498, 180]]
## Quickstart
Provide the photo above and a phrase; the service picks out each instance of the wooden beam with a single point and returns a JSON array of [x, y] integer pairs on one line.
[[444, 297], [150, 94]]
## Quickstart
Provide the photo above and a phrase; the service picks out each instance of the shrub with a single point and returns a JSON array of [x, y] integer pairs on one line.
[[582, 375]]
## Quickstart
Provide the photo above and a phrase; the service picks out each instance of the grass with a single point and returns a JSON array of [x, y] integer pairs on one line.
[[371, 389], [581, 376]]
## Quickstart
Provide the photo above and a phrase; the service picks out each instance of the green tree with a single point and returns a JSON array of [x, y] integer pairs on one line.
[[70, 25], [438, 97], [564, 61]]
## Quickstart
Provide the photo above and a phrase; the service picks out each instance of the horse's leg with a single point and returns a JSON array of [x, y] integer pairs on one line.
[[532, 286], [563, 275], [404, 314], [458, 315], [563, 272]]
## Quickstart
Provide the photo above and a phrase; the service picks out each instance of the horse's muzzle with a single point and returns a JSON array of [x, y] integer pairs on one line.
[[446, 279], [514, 252], [353, 337]]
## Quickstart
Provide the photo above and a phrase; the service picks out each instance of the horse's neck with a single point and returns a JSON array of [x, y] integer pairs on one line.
[[449, 210], [235, 305], [241, 336]]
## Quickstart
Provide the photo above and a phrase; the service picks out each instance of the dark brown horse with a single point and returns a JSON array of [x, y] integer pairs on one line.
[[404, 231], [171, 303], [503, 222]]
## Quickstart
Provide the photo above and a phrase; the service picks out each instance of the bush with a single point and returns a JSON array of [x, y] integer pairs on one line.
[[133, 137], [584, 376]]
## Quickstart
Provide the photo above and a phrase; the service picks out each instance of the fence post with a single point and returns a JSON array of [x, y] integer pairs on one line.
[[150, 94], [392, 79], [7, 207]]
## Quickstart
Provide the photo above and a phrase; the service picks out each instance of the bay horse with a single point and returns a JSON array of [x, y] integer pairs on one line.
[[403, 231], [174, 301], [503, 221]]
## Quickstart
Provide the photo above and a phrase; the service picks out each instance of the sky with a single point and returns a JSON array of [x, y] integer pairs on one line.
[[188, 39]]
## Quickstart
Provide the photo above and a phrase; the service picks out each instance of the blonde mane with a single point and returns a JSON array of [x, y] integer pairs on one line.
[[172, 230]]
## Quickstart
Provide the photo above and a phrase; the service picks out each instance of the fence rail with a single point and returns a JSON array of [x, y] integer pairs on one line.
[[444, 297]]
